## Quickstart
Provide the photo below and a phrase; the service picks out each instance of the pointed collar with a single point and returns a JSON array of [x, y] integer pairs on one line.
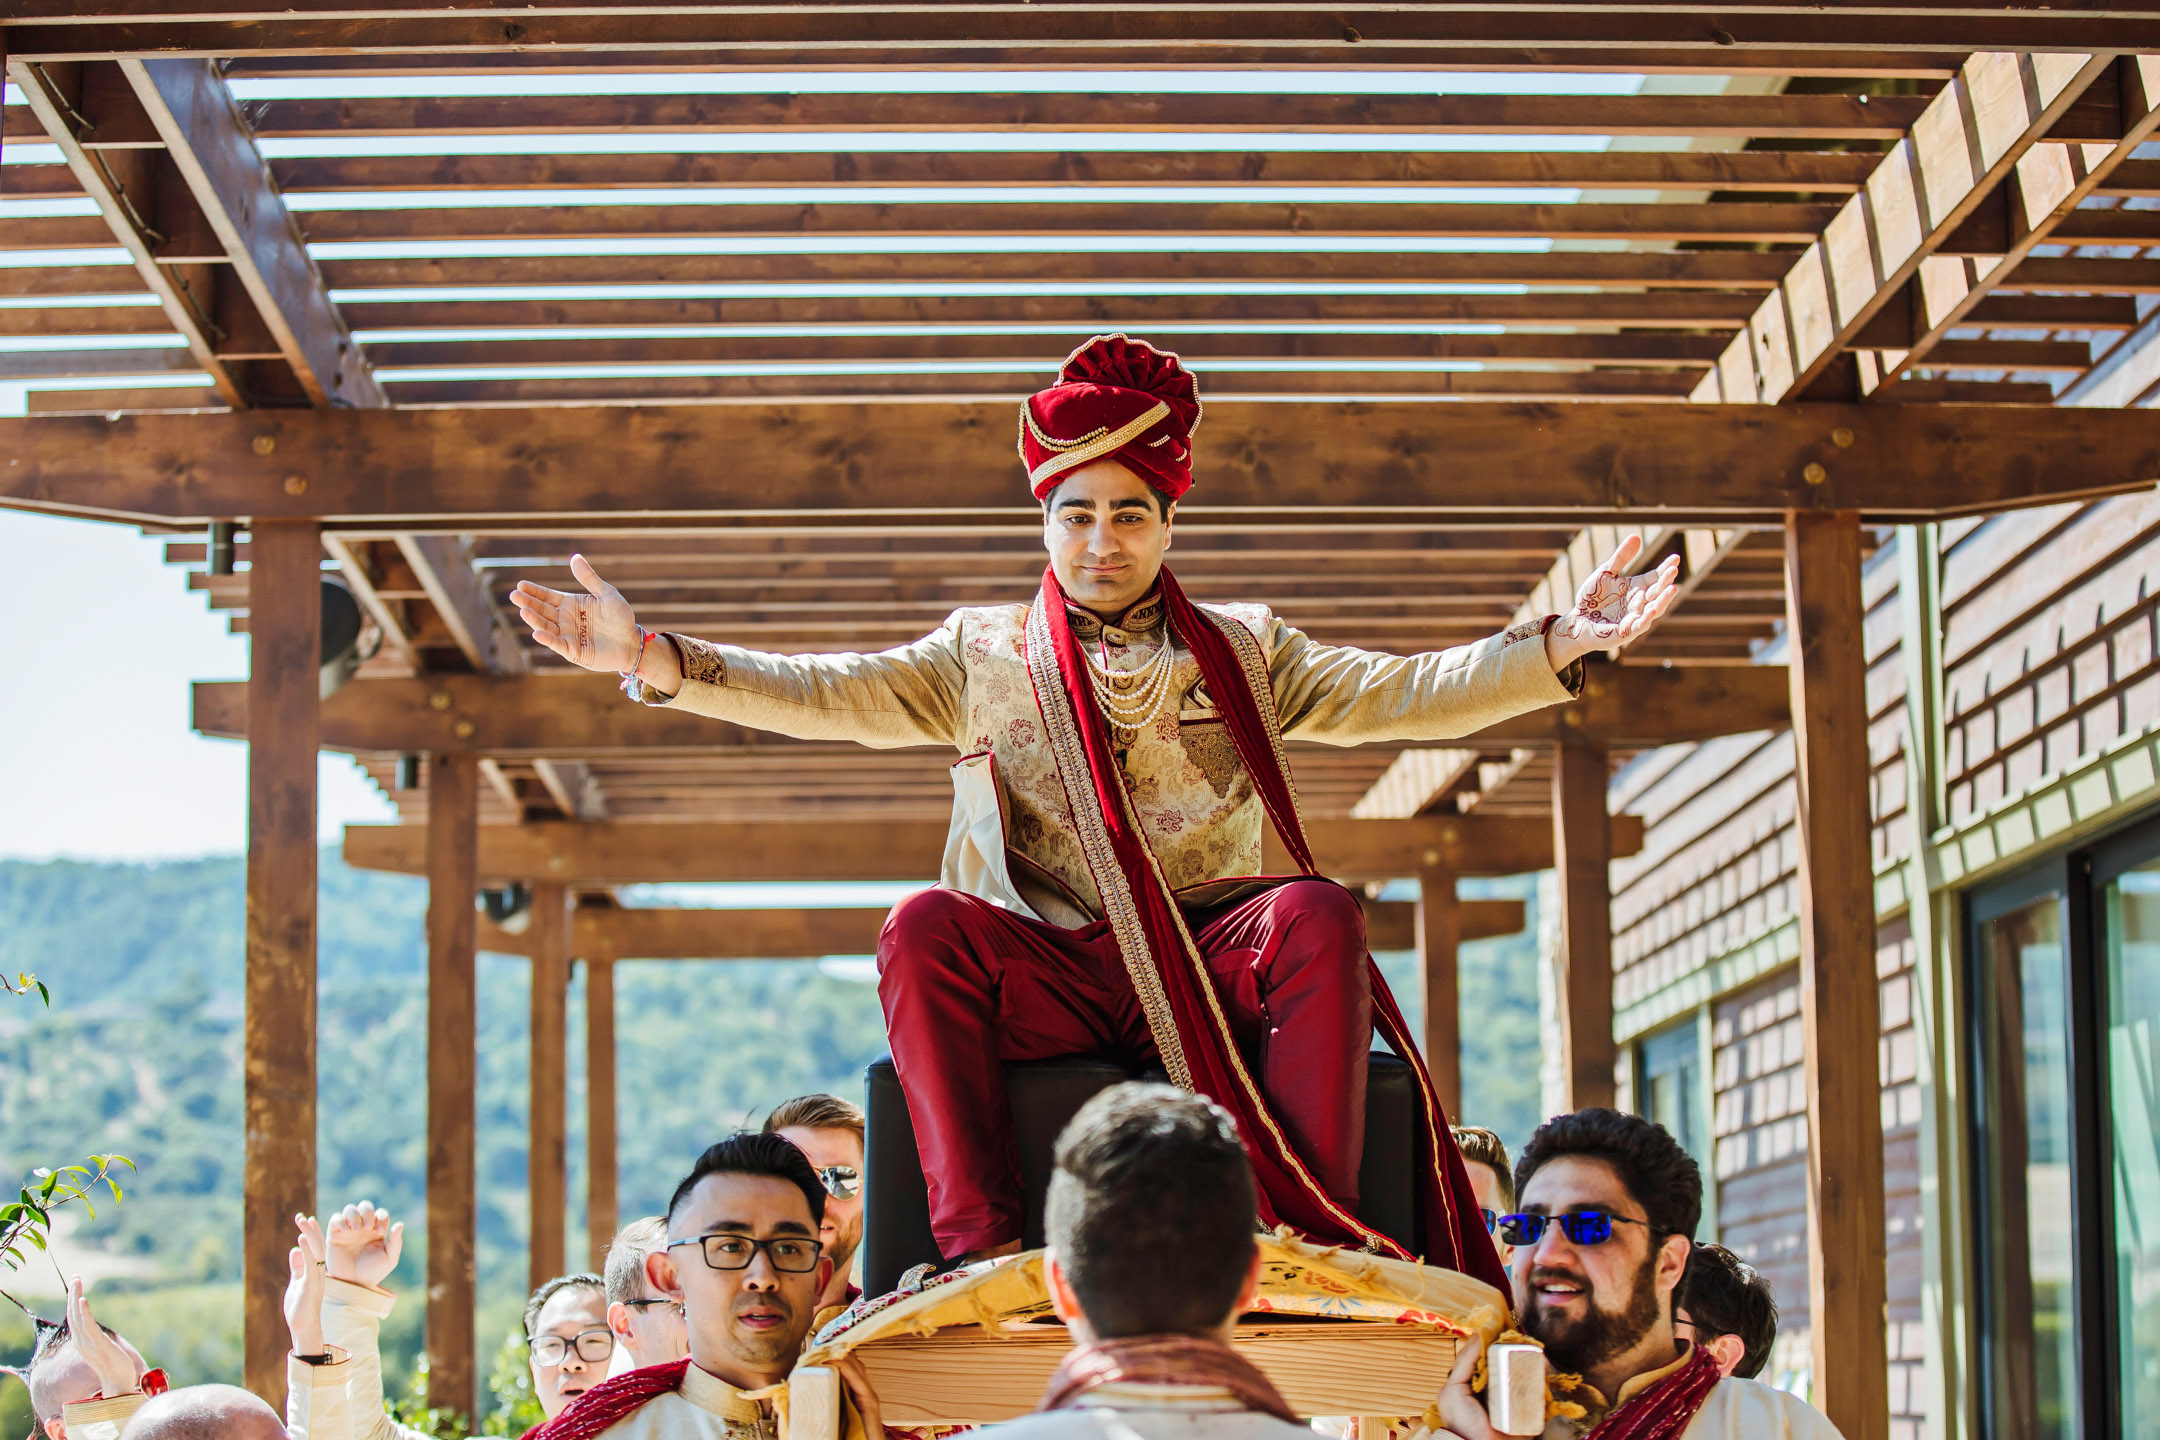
[[710, 1393]]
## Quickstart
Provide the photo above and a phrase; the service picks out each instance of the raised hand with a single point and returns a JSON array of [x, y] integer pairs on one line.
[[108, 1359], [1611, 608], [596, 630], [363, 1245], [304, 1288]]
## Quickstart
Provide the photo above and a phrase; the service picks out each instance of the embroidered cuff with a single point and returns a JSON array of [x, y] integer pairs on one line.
[[367, 1299], [1569, 675]]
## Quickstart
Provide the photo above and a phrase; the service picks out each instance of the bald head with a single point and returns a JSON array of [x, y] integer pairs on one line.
[[59, 1377], [205, 1412]]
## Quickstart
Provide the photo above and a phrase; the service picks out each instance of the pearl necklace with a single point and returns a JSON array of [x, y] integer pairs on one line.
[[1134, 709]]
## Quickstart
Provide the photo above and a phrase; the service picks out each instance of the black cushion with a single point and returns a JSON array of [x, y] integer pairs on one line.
[[1045, 1094]]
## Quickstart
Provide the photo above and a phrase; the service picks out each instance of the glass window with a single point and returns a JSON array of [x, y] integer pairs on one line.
[[1672, 1084], [2024, 1142], [2131, 922]]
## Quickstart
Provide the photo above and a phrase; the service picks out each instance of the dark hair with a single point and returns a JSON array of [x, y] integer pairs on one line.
[[537, 1301], [1151, 1211], [1660, 1176], [1724, 1295], [817, 1112], [755, 1154], [1482, 1147]]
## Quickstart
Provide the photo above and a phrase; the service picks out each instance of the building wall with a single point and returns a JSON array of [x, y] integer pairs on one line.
[[2049, 629]]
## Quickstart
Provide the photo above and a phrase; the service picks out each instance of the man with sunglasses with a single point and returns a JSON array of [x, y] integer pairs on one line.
[[830, 1131], [1608, 1205], [743, 1256]]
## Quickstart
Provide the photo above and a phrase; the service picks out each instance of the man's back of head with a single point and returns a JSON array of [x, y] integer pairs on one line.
[[1729, 1307], [205, 1412], [626, 1278], [1152, 1214]]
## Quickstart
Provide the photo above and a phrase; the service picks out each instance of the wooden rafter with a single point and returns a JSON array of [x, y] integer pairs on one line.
[[1967, 140]]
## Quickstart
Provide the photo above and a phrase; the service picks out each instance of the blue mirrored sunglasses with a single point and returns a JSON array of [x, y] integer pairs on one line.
[[1489, 1218], [1582, 1227]]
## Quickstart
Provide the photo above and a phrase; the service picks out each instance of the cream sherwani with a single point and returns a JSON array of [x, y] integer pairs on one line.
[[314, 1392], [967, 686], [352, 1323]]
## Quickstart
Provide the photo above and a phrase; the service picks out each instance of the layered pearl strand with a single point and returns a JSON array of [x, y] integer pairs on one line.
[[1133, 709]]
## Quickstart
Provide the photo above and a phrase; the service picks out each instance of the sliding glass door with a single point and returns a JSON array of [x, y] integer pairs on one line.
[[2064, 981]]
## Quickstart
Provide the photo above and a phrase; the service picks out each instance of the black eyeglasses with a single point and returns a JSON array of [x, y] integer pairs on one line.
[[790, 1254], [842, 1182], [675, 1306], [592, 1346], [1582, 1227]]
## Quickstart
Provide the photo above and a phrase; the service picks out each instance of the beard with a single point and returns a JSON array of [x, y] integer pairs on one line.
[[1599, 1335]]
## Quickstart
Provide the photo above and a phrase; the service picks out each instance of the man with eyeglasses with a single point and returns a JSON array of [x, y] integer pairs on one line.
[[567, 1339], [830, 1131], [648, 1325], [1609, 1203], [743, 1256]]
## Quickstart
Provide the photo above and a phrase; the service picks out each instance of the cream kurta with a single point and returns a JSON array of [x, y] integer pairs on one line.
[[704, 1408], [967, 686]]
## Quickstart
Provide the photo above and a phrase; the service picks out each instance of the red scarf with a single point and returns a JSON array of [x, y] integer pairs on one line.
[[1666, 1408], [1176, 992], [1163, 1360], [612, 1401]]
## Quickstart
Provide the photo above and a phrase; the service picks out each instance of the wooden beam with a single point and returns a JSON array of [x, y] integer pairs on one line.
[[1584, 865], [1328, 272], [610, 933], [1414, 782], [211, 146], [448, 470], [1439, 947], [1740, 171], [2040, 200], [1189, 36], [559, 714], [602, 1208], [447, 855], [547, 1077], [1184, 213], [1788, 117], [1840, 1023], [626, 854], [1963, 144], [278, 1165]]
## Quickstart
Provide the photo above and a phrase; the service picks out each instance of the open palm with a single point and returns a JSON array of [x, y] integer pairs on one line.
[[596, 630], [1612, 608]]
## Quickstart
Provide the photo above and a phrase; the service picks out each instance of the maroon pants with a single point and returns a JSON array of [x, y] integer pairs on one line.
[[967, 985]]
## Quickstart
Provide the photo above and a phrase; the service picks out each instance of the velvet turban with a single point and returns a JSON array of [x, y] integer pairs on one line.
[[1116, 399]]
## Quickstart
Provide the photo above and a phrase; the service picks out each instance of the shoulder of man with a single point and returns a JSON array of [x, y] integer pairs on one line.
[[1083, 1423], [1750, 1410]]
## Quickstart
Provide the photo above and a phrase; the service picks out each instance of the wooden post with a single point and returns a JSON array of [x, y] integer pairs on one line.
[[1838, 1002], [453, 843], [601, 1206], [1582, 858], [546, 1164], [1439, 942], [284, 711]]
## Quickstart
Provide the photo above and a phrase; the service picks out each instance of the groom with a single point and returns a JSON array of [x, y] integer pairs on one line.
[[1123, 749]]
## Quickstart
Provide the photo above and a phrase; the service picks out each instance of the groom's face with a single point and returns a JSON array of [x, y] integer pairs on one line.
[[1106, 532]]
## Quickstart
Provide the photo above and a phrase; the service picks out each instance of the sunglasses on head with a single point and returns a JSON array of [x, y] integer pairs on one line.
[[1582, 1227]]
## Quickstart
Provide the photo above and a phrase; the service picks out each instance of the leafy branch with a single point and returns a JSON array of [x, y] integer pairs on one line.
[[23, 983]]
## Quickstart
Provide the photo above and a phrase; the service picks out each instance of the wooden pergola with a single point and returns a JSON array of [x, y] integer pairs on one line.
[[1831, 273]]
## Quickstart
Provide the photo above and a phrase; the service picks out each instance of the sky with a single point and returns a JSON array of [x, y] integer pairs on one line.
[[99, 761]]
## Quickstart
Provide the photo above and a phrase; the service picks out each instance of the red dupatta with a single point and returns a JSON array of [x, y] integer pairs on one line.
[[1666, 1408], [1184, 1014]]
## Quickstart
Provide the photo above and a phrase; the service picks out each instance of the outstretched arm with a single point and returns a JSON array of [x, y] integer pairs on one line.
[[597, 630]]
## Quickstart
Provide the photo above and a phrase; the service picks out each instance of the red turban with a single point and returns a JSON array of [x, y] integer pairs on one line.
[[1115, 399]]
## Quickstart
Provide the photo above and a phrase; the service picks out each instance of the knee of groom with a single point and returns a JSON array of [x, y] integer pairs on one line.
[[1330, 914], [926, 923]]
